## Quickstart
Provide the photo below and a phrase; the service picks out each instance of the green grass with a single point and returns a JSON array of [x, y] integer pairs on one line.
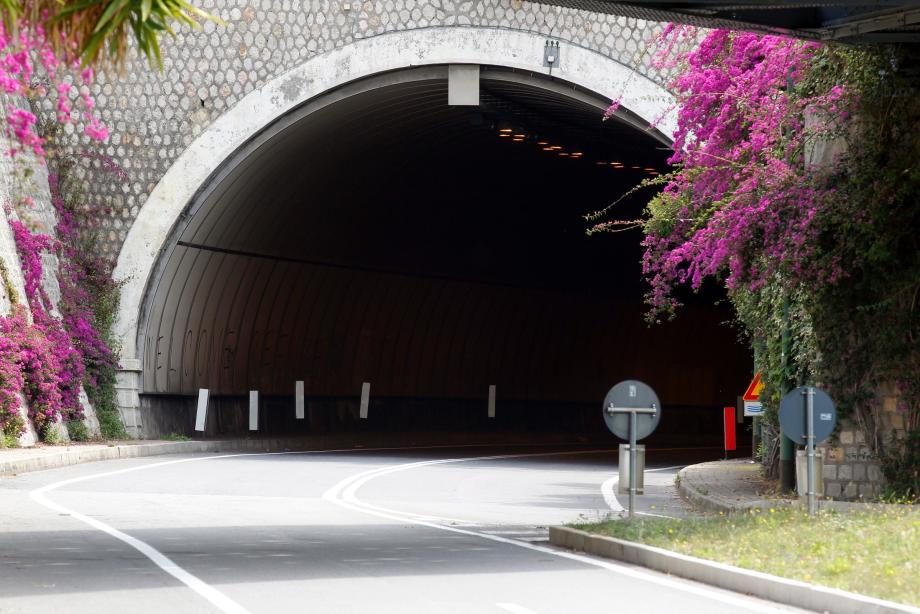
[[875, 552]]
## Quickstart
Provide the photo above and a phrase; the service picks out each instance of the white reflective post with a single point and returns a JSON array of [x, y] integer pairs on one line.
[[253, 410], [201, 415], [492, 400], [298, 399], [365, 399]]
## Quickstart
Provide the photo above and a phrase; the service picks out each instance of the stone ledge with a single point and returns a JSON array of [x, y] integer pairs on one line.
[[766, 586]]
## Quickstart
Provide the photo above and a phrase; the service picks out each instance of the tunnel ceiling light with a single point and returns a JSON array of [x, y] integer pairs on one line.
[[556, 147], [542, 143], [519, 135], [636, 168], [648, 168], [577, 154], [601, 162], [505, 135], [548, 149], [564, 154]]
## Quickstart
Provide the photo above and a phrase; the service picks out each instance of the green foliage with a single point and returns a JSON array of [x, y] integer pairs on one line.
[[109, 23], [98, 28], [77, 431], [48, 432], [901, 466], [175, 437], [9, 435], [8, 287]]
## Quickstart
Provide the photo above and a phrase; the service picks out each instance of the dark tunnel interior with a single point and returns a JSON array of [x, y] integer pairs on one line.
[[379, 235]]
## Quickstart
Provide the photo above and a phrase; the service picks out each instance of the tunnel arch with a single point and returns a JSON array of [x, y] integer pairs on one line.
[[235, 282], [149, 236]]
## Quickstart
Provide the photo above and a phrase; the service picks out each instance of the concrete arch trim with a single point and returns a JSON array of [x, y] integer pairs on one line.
[[155, 223]]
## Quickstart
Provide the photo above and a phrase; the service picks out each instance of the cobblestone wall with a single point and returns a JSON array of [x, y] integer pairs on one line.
[[850, 471], [153, 116]]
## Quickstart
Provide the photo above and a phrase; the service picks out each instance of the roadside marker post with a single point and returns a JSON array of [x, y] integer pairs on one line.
[[365, 400], [728, 420], [491, 400], [632, 412], [298, 400], [201, 415], [253, 410]]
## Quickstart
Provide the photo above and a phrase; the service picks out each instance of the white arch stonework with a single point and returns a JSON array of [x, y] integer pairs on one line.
[[150, 232]]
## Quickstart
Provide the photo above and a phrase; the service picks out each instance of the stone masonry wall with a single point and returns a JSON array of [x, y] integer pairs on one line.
[[850, 471], [153, 116]]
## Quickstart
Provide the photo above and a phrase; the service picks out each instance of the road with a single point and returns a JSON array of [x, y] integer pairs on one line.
[[383, 531]]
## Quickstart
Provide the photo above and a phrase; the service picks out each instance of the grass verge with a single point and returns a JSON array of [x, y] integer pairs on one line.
[[872, 552]]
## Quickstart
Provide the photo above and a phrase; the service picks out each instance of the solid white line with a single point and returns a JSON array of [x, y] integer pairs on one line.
[[350, 485], [609, 489], [217, 598], [514, 608]]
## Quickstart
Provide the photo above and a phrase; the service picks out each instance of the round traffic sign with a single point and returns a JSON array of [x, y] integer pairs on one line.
[[792, 415], [627, 395]]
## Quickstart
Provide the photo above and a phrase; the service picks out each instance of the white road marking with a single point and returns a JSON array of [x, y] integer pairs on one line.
[[343, 494], [514, 608], [218, 599], [609, 489], [350, 485]]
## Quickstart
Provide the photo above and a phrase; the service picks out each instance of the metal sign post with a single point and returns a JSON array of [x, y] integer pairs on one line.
[[633, 429], [632, 412], [810, 446], [797, 420]]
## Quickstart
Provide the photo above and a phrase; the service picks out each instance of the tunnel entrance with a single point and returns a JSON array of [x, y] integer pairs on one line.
[[382, 236]]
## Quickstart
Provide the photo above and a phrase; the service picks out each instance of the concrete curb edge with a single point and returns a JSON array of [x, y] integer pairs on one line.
[[765, 586], [688, 491], [78, 455]]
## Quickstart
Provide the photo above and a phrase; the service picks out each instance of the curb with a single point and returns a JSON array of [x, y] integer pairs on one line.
[[766, 586], [709, 503], [74, 455], [78, 455]]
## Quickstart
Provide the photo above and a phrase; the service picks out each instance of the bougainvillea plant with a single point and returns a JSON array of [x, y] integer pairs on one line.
[[796, 185], [43, 356], [741, 207]]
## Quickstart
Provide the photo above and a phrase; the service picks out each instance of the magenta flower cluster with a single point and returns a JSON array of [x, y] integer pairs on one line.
[[742, 205], [51, 358]]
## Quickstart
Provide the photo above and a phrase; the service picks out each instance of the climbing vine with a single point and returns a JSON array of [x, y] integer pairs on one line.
[[796, 185]]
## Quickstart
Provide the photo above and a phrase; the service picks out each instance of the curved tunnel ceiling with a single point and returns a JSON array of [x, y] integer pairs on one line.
[[381, 235]]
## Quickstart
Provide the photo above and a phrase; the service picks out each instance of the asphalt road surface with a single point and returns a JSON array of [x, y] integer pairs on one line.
[[438, 530]]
